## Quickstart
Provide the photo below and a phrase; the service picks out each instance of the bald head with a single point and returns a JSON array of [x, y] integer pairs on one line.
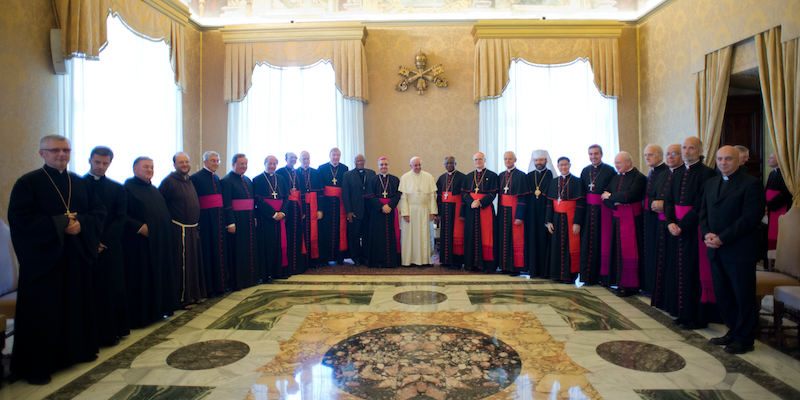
[[674, 159], [727, 160], [305, 159], [509, 159], [623, 162], [653, 155], [691, 150], [479, 160]]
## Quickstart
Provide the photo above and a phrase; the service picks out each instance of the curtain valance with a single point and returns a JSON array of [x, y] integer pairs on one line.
[[347, 57], [493, 57], [83, 26]]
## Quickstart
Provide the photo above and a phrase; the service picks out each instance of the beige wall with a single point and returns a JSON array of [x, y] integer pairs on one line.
[[215, 110], [193, 97], [28, 90], [673, 43]]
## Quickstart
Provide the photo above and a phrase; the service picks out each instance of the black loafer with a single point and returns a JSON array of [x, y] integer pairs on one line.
[[738, 348], [721, 341]]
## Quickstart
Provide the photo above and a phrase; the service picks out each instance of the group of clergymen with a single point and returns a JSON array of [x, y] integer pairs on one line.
[[98, 258]]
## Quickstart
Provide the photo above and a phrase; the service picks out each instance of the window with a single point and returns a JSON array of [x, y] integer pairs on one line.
[[128, 101], [555, 108], [292, 109]]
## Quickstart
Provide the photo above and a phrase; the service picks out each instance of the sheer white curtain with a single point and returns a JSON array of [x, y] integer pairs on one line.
[[294, 109], [556, 108], [128, 101]]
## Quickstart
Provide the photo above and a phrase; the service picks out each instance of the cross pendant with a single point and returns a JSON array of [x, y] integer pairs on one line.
[[334, 181], [66, 213], [476, 189], [559, 200], [446, 194], [384, 194], [274, 195], [505, 189], [591, 186]]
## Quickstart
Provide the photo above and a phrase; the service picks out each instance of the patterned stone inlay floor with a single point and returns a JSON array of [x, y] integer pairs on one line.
[[688, 395], [403, 362], [207, 355], [420, 297], [264, 308], [581, 309], [151, 392], [640, 356], [544, 365]]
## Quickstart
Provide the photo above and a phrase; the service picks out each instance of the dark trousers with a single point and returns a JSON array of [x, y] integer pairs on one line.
[[735, 291], [356, 239]]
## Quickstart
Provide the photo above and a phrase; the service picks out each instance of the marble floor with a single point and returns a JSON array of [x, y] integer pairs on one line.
[[421, 337]]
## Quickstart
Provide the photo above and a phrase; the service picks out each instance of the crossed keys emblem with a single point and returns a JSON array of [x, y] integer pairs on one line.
[[421, 75]]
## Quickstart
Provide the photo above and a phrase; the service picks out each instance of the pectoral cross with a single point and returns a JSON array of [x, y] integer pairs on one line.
[[591, 186], [334, 181], [505, 189], [446, 194], [274, 195], [384, 194], [559, 200], [476, 189]]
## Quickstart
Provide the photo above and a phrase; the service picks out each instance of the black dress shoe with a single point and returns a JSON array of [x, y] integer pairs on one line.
[[691, 325], [721, 341], [738, 348], [39, 380]]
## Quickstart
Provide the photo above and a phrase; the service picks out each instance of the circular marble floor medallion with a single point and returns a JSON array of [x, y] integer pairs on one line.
[[422, 361], [208, 355], [640, 356], [420, 297]]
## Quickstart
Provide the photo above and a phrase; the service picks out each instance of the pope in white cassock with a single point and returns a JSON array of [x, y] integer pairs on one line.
[[418, 208]]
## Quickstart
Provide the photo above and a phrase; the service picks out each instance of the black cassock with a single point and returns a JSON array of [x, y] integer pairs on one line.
[[538, 238], [479, 224], [295, 250], [627, 258], [148, 259], [384, 243], [513, 205], [451, 229], [271, 197], [310, 194], [684, 253], [55, 318], [213, 234], [650, 229], [333, 225], [243, 261], [111, 299], [593, 255], [663, 293], [563, 252]]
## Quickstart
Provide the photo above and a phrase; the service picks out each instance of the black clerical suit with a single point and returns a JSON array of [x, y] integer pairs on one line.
[[732, 210], [354, 190]]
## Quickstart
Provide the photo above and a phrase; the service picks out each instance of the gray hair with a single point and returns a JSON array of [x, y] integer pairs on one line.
[[209, 154], [54, 138]]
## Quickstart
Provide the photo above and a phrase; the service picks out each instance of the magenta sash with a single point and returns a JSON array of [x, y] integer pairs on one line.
[[605, 231], [210, 201], [628, 243], [277, 204], [772, 230], [517, 231], [242, 204], [396, 223], [646, 203], [458, 225], [662, 217], [487, 229], [704, 264]]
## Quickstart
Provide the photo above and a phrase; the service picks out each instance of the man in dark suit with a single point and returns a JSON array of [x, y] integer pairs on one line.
[[353, 192], [729, 215]]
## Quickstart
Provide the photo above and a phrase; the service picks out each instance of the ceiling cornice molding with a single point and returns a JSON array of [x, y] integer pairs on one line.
[[654, 11], [301, 31], [172, 8], [524, 29]]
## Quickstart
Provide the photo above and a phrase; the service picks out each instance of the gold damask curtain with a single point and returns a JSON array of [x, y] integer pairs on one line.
[[348, 58], [493, 58], [778, 68], [710, 99], [83, 28]]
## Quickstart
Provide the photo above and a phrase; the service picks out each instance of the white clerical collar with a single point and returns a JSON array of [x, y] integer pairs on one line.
[[451, 173], [662, 163], [673, 169], [97, 178], [689, 165], [564, 176], [272, 174], [480, 169], [511, 169], [541, 170], [335, 165], [206, 168], [598, 165], [384, 175], [305, 168], [725, 178]]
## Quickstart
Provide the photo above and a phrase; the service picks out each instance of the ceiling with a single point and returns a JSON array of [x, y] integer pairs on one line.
[[214, 13]]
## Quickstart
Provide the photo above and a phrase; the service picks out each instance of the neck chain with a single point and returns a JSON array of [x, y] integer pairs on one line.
[[334, 171], [69, 196], [538, 182], [292, 177], [273, 193], [384, 187], [564, 184], [506, 182], [477, 179], [594, 178], [363, 180]]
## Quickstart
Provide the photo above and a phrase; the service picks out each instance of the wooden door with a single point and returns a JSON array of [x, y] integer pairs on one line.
[[742, 125]]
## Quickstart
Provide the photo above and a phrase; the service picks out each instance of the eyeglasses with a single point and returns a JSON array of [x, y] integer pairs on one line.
[[56, 151], [673, 153]]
